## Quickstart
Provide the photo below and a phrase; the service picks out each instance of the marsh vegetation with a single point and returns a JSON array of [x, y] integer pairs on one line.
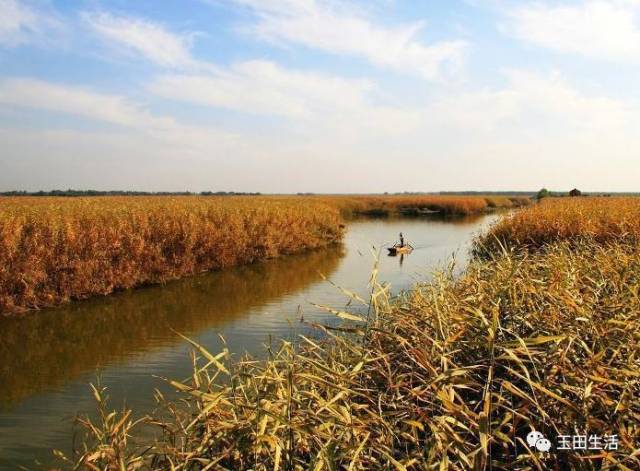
[[54, 250], [539, 332], [129, 339]]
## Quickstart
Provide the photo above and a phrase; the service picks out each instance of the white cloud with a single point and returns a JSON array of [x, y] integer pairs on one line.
[[145, 38], [333, 27], [556, 97], [532, 101], [114, 109], [537, 130], [20, 23], [602, 29], [261, 87]]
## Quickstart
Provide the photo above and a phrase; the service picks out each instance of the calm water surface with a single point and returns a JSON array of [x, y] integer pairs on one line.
[[47, 359]]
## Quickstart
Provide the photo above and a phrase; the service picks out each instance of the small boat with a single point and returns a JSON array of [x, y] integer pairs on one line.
[[397, 249]]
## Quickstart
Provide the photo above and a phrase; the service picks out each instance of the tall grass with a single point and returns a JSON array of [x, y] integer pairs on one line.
[[556, 219], [54, 249], [452, 375], [446, 205]]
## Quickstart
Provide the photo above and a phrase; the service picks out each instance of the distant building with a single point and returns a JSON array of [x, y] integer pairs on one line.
[[575, 192]]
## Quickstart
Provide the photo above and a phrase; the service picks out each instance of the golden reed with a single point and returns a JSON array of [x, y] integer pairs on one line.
[[53, 249]]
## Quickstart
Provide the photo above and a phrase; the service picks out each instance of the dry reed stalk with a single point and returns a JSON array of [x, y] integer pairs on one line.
[[556, 219], [53, 250], [452, 375]]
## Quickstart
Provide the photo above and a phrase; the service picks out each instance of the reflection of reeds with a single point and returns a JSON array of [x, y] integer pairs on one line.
[[55, 249], [451, 376], [78, 338]]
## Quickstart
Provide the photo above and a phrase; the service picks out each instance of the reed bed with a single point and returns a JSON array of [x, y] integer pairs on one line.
[[555, 219], [53, 250], [452, 375], [415, 204]]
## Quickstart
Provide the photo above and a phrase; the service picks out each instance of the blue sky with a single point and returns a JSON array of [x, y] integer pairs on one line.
[[320, 95]]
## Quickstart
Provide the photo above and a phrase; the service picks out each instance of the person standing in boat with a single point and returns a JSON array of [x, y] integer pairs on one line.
[[401, 240]]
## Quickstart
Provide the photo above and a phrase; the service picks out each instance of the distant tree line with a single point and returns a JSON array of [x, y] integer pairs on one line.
[[71, 192], [544, 193], [488, 193]]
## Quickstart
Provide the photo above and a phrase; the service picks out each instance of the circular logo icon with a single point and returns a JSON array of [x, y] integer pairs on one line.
[[537, 440], [543, 445], [533, 437]]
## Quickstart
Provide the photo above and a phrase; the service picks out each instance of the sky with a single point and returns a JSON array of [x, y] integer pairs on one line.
[[326, 96]]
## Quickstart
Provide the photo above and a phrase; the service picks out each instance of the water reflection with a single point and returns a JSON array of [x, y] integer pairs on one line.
[[47, 349], [48, 358]]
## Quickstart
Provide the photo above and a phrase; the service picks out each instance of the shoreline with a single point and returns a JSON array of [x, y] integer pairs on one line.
[[474, 362], [57, 250]]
